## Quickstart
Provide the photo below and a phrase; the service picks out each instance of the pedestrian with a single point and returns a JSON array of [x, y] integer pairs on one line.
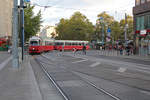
[[74, 51], [84, 49], [121, 49], [128, 50]]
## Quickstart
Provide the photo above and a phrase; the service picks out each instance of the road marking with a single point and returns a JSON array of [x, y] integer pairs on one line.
[[145, 92], [80, 61], [95, 64], [3, 64], [121, 69]]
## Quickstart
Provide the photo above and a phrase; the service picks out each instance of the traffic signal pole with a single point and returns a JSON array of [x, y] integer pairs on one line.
[[125, 35], [15, 60], [22, 26]]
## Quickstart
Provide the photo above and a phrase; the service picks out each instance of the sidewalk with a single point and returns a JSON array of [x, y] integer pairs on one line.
[[18, 84], [117, 54]]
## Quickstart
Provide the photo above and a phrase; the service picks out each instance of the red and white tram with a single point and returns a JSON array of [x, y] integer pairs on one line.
[[37, 45], [70, 44]]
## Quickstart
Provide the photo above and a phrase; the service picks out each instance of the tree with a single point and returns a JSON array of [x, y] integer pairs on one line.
[[77, 27], [130, 27], [117, 28], [104, 20], [32, 22], [116, 31]]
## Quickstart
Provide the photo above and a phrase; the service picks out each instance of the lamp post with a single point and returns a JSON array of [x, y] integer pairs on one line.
[[22, 26], [102, 24], [125, 29], [15, 60]]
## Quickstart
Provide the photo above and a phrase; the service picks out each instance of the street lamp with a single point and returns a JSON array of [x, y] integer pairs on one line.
[[102, 24], [22, 6]]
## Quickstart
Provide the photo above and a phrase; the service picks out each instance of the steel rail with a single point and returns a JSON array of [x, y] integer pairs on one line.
[[53, 81], [98, 88], [93, 85]]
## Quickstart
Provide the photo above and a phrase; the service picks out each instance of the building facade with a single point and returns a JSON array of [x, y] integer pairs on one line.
[[6, 18], [48, 31], [141, 13]]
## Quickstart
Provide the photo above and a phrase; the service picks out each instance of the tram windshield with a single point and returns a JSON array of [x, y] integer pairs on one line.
[[33, 43]]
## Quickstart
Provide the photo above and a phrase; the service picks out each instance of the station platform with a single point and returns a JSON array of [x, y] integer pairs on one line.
[[17, 83]]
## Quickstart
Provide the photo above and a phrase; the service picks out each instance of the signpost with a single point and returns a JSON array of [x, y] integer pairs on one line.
[[26, 0]]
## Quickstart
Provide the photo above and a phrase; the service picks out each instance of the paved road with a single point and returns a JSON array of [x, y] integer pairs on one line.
[[124, 79], [4, 56], [140, 60]]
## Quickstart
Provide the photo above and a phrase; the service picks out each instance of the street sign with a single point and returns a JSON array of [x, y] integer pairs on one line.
[[101, 18], [143, 32], [108, 30], [26, 0]]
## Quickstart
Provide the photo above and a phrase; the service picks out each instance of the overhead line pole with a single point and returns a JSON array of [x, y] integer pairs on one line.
[[22, 26], [15, 60], [125, 35]]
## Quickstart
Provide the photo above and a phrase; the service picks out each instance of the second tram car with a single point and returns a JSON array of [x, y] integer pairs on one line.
[[70, 44]]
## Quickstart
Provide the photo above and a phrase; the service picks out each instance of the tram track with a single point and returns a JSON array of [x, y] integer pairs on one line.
[[65, 96], [52, 79]]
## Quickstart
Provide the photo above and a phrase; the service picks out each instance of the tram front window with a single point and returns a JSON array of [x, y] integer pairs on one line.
[[34, 43]]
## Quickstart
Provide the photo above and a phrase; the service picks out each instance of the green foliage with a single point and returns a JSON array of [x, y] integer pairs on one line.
[[77, 27], [130, 27], [32, 22], [107, 21], [117, 28]]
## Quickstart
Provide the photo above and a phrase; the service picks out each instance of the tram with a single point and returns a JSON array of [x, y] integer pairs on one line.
[[70, 44], [38, 45]]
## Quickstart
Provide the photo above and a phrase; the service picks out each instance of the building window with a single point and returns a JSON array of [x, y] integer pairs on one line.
[[138, 23], [148, 22], [148, 0], [143, 1], [143, 22], [137, 2]]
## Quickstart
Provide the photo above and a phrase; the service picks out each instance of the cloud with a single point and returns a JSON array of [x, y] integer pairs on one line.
[[90, 8]]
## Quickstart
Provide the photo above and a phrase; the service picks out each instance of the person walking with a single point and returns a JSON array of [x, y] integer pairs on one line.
[[84, 49], [74, 51], [128, 49], [121, 50]]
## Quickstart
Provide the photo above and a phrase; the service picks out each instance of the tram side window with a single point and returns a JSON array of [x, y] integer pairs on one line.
[[61, 43], [68, 43], [74, 43], [58, 43], [80, 44], [49, 43]]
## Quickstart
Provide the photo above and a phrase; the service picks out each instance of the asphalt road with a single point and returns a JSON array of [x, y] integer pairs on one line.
[[4, 56], [126, 79]]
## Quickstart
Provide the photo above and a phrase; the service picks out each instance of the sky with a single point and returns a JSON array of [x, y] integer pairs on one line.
[[58, 9]]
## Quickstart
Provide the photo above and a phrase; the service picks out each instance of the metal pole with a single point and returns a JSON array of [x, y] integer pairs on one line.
[[22, 26], [15, 60], [103, 32], [125, 35]]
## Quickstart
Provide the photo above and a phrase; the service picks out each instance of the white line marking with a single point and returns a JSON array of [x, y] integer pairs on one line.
[[3, 64], [80, 61], [145, 92], [121, 69], [95, 64]]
